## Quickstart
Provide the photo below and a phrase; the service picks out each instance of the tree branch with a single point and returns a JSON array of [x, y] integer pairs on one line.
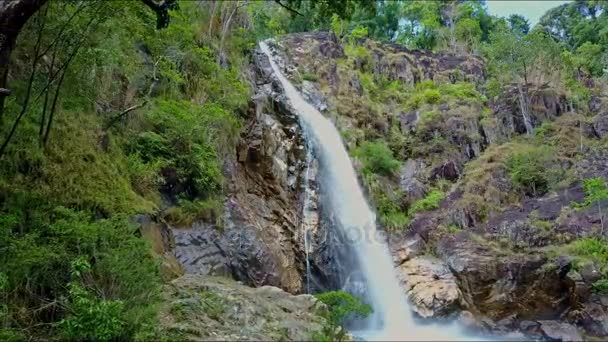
[[288, 8]]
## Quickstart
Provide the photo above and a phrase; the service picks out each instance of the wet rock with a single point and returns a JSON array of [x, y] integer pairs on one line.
[[430, 286], [219, 309], [558, 331], [313, 96], [531, 329]]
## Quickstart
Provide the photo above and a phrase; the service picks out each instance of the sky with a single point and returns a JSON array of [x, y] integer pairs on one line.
[[531, 10]]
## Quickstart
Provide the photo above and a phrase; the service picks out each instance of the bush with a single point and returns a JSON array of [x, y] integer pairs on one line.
[[591, 249], [121, 284], [92, 318], [595, 190], [377, 158], [188, 140], [391, 216], [341, 306], [431, 96], [529, 170], [429, 202]]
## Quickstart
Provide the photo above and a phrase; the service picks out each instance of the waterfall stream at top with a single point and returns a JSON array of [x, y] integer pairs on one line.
[[391, 318]]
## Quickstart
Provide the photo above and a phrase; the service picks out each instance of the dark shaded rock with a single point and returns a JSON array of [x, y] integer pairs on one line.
[[545, 103], [600, 124], [595, 104], [448, 170], [501, 283], [202, 250], [557, 331], [408, 121]]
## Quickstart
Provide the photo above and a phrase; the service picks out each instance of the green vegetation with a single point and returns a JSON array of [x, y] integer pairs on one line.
[[109, 117], [532, 170], [377, 158], [595, 191], [341, 306], [429, 202], [77, 169], [592, 250], [428, 92]]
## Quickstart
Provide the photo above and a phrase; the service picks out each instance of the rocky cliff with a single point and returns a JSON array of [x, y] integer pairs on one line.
[[488, 250]]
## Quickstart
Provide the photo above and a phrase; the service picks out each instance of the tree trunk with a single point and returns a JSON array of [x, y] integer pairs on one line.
[[13, 15]]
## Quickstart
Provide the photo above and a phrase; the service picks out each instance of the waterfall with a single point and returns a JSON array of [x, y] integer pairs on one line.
[[310, 218], [391, 319]]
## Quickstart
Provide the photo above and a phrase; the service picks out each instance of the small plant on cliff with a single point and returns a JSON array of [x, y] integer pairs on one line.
[[528, 170], [377, 158], [341, 307], [431, 201], [596, 191]]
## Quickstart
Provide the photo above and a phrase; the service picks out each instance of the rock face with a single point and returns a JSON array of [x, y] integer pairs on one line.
[[203, 308], [501, 284], [261, 242], [430, 286]]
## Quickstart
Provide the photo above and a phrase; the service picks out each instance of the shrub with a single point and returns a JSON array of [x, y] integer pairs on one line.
[[341, 306], [391, 216], [529, 170], [431, 96], [429, 202], [377, 158], [359, 32], [595, 190], [92, 318]]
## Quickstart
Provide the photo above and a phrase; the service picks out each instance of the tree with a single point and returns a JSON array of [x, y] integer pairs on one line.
[[534, 59], [519, 25]]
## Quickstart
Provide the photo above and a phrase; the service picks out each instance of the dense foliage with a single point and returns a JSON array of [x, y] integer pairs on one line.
[[112, 117], [117, 110]]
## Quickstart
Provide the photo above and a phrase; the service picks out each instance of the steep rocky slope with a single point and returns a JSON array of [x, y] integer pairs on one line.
[[467, 239]]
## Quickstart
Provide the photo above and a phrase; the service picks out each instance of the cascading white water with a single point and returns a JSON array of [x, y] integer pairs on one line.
[[392, 319], [307, 216]]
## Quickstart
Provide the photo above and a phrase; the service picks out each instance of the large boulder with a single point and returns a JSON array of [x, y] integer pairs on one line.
[[219, 309], [559, 331], [430, 286], [501, 282]]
